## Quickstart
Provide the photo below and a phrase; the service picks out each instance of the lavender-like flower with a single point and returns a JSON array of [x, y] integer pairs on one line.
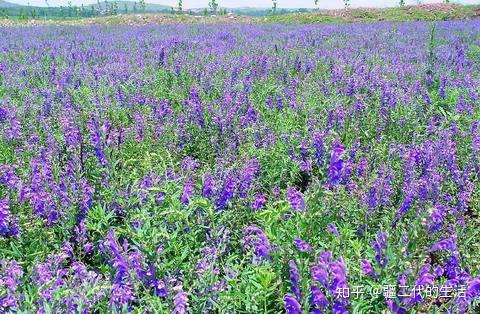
[[180, 301], [320, 273], [424, 278], [437, 217], [187, 192], [119, 262], [227, 193], [336, 163], [10, 278], [259, 202], [189, 164], [380, 246], [302, 246], [368, 269], [473, 289], [207, 186], [121, 294], [247, 176], [394, 307], [296, 200], [318, 300], [8, 222], [96, 140], [14, 131], [340, 308], [333, 230], [338, 272], [295, 280], [291, 305], [256, 241], [362, 167], [160, 198], [444, 245], [319, 148], [9, 177]]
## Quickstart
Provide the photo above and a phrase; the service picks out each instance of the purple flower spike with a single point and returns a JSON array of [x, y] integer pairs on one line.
[[180, 301], [368, 269], [319, 148], [295, 280], [257, 242], [10, 277], [339, 308], [336, 163], [318, 299], [444, 245], [227, 193], [207, 186], [394, 308], [333, 230], [380, 246], [291, 305], [302, 246], [187, 192], [259, 202], [8, 222], [473, 290], [296, 200]]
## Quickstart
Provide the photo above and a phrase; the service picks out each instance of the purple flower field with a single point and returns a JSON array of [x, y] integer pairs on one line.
[[240, 168]]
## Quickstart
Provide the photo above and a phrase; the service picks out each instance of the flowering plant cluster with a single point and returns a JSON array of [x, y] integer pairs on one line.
[[240, 168]]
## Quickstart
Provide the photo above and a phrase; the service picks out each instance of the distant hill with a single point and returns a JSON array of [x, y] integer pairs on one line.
[[131, 5], [101, 8], [5, 4], [123, 7], [149, 7], [130, 11]]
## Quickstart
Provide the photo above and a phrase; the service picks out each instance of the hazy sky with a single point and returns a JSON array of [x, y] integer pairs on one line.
[[326, 4]]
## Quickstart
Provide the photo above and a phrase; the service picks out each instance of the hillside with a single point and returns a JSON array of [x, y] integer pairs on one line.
[[5, 4], [132, 5], [76, 12]]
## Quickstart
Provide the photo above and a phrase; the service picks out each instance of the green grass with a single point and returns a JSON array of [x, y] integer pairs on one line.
[[408, 13], [397, 14]]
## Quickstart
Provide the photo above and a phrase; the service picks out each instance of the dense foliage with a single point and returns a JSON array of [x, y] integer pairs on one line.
[[240, 168]]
